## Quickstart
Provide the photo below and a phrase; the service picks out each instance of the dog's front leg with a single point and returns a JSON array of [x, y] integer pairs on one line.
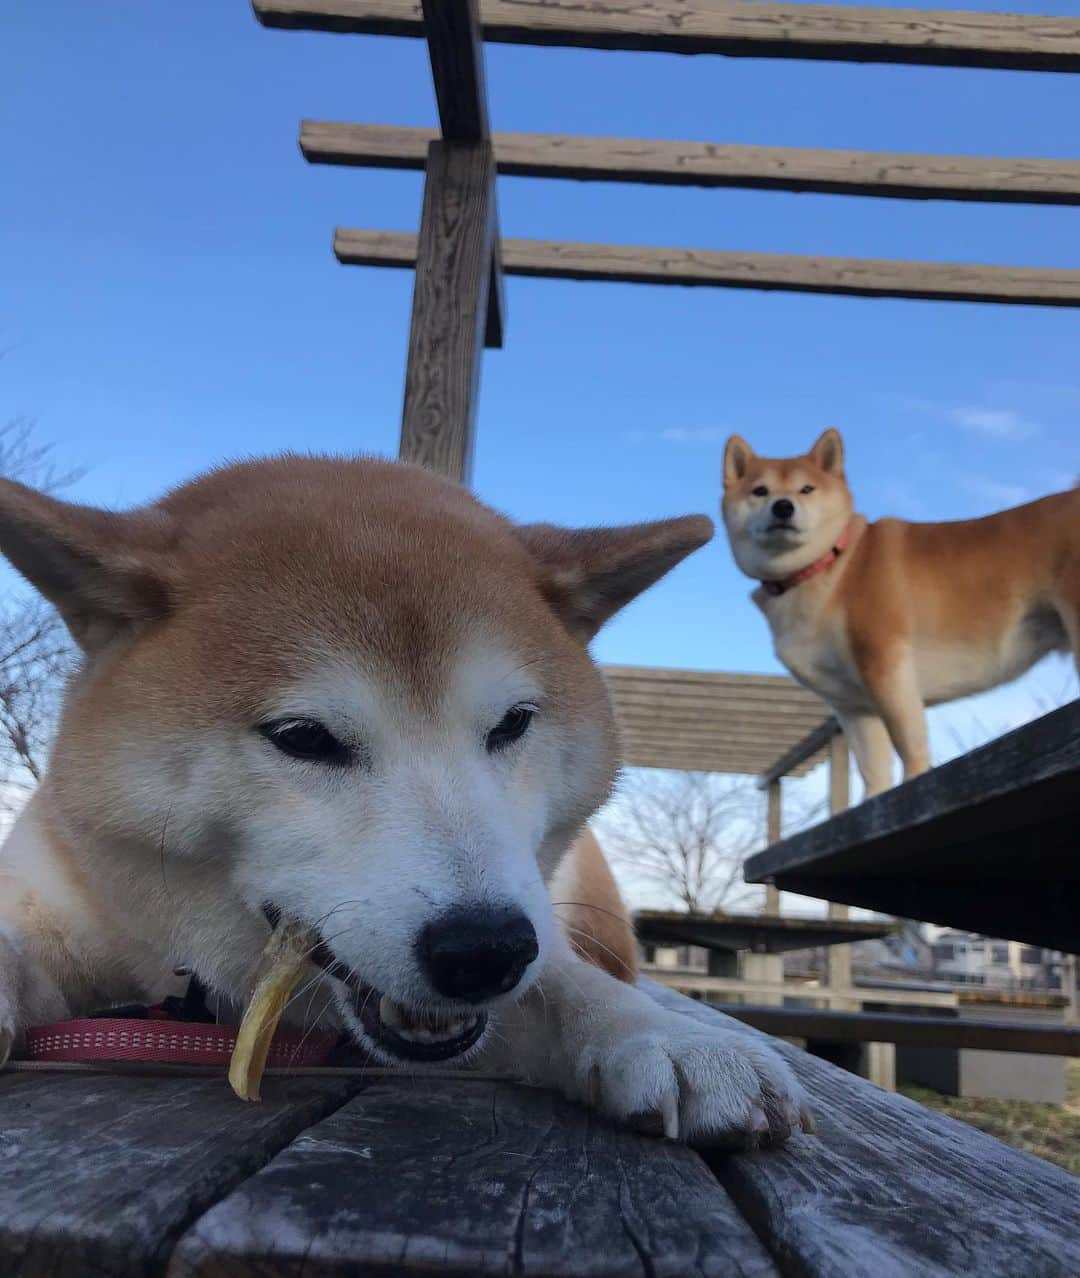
[[605, 1043], [899, 698], [870, 743], [28, 996]]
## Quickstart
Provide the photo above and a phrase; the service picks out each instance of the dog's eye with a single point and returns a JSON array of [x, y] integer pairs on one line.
[[760, 491], [306, 739], [806, 488], [511, 727]]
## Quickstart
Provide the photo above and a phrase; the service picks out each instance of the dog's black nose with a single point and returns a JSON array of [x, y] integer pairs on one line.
[[783, 509], [476, 954]]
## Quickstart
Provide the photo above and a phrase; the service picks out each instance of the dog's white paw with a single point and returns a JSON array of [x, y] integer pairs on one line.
[[694, 1084]]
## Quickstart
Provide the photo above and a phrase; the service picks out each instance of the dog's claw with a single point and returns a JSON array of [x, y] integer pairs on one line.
[[671, 1117], [806, 1118], [758, 1120], [6, 1041]]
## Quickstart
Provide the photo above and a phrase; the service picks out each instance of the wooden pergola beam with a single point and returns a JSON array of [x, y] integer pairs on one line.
[[713, 724], [770, 30], [716, 734], [856, 277], [811, 746], [715, 164], [661, 677], [745, 763]]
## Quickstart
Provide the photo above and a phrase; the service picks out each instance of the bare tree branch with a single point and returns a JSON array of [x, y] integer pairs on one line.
[[24, 459], [687, 834], [35, 651]]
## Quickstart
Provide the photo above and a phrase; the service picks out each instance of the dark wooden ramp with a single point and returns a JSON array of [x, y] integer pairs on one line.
[[988, 842]]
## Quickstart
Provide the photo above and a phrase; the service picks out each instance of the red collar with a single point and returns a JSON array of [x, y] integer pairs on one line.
[[811, 570]]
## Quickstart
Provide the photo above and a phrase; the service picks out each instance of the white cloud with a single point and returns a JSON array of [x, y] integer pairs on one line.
[[677, 435], [995, 491], [1002, 423], [702, 435]]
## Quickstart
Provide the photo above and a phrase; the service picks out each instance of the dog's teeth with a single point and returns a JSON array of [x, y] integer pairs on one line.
[[390, 1013]]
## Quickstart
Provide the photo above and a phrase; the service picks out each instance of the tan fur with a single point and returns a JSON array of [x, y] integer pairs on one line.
[[389, 613], [911, 614], [591, 909]]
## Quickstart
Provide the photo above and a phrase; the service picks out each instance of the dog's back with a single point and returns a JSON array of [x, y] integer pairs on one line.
[[979, 600]]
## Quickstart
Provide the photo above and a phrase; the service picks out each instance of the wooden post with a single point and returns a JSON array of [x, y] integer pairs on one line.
[[1068, 988], [457, 295], [449, 315], [838, 957], [773, 825]]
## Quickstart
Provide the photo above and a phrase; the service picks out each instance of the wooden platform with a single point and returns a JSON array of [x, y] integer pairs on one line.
[[135, 1175], [987, 842], [911, 1030], [759, 933]]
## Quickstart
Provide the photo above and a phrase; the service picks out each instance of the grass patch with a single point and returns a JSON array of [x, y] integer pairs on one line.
[[1048, 1131]]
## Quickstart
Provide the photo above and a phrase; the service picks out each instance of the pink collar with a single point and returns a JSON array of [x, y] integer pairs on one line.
[[811, 570]]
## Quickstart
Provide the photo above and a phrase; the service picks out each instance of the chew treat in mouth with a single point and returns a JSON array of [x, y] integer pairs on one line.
[[287, 951]]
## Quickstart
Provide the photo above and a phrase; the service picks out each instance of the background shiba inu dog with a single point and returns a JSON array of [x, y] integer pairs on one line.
[[884, 619], [346, 691]]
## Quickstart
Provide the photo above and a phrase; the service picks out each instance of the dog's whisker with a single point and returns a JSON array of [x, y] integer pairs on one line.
[[592, 940], [588, 905]]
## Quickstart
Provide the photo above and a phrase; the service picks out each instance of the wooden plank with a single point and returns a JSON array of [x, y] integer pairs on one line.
[[747, 762], [1005, 180], [669, 677], [1003, 816], [920, 37], [680, 699], [477, 1179], [744, 746], [911, 1030], [758, 933], [780, 701], [809, 747], [449, 313], [851, 276], [772, 730], [715, 989], [734, 732], [101, 1174], [456, 53], [888, 1187]]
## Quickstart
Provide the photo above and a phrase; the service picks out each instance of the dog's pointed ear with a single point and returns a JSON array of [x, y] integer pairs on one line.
[[737, 458], [588, 574], [104, 572], [828, 452]]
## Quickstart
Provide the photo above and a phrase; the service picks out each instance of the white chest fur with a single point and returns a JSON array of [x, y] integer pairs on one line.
[[811, 640]]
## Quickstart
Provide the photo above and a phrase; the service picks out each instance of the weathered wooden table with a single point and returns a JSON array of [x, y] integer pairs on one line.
[[131, 1174]]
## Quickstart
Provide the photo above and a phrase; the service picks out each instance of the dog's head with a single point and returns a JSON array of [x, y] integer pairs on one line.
[[783, 513], [351, 693]]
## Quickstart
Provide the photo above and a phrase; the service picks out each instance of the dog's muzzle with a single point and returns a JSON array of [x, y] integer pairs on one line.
[[407, 1034]]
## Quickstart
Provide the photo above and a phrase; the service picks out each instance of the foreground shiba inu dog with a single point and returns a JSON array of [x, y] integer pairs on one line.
[[347, 692], [884, 619]]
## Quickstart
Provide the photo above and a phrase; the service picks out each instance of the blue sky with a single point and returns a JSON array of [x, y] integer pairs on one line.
[[169, 298]]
